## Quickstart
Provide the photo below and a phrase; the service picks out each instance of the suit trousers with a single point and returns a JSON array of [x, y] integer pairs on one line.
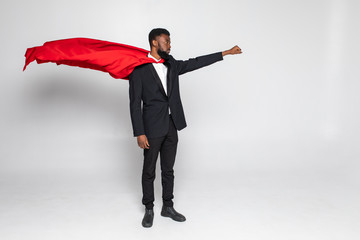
[[166, 146]]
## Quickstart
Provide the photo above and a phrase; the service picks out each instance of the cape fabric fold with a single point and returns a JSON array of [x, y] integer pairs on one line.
[[119, 60]]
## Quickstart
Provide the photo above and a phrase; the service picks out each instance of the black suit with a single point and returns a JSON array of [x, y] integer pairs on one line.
[[153, 120]]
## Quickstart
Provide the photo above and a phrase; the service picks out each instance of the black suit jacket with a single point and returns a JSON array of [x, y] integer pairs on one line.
[[149, 104]]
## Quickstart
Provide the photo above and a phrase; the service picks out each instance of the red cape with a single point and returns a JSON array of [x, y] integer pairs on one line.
[[119, 60]]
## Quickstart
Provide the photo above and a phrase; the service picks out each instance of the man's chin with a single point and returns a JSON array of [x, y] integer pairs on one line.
[[164, 55]]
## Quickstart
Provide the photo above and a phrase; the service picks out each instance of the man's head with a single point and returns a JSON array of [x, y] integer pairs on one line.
[[159, 39]]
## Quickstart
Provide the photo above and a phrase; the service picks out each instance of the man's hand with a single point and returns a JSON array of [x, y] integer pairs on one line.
[[234, 50], [143, 142]]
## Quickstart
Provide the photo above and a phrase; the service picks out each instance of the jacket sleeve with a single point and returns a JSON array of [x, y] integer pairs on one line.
[[198, 62], [135, 93]]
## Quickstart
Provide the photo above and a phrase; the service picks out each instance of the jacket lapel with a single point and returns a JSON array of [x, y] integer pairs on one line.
[[157, 79]]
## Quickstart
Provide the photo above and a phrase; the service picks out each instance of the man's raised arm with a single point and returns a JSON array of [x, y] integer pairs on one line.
[[202, 61]]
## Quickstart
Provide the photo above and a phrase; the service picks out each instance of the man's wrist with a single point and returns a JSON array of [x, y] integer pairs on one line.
[[224, 53]]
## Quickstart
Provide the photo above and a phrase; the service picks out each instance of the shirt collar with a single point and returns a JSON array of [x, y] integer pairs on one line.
[[151, 56]]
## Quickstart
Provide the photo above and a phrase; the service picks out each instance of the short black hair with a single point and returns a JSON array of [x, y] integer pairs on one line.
[[157, 32]]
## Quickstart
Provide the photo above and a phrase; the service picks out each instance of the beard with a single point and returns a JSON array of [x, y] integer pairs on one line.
[[164, 55]]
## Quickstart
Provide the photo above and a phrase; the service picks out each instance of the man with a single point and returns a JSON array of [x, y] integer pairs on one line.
[[157, 114]]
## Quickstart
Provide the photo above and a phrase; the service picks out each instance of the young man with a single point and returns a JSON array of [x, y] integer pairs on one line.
[[157, 114]]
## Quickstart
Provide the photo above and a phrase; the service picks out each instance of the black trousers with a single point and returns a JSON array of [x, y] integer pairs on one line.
[[166, 146]]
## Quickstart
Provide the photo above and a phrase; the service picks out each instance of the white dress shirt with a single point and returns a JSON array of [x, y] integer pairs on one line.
[[161, 70]]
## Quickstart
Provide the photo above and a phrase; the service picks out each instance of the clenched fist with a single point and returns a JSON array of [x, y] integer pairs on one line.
[[234, 50]]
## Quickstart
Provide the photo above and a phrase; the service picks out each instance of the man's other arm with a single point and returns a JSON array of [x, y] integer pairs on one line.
[[135, 92]]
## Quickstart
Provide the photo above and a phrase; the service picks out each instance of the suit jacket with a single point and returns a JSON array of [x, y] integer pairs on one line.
[[149, 104]]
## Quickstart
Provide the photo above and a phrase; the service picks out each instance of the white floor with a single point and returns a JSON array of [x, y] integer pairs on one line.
[[302, 205]]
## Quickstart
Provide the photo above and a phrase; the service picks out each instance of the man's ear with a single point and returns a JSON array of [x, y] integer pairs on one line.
[[155, 43]]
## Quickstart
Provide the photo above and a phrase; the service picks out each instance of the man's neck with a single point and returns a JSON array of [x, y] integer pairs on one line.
[[154, 53]]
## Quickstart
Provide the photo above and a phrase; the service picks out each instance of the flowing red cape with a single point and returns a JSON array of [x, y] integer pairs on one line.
[[119, 60]]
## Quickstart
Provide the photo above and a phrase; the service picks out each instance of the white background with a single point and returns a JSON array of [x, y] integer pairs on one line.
[[272, 145]]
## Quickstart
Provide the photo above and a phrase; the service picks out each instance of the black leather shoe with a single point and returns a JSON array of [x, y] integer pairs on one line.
[[171, 213], [148, 218]]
